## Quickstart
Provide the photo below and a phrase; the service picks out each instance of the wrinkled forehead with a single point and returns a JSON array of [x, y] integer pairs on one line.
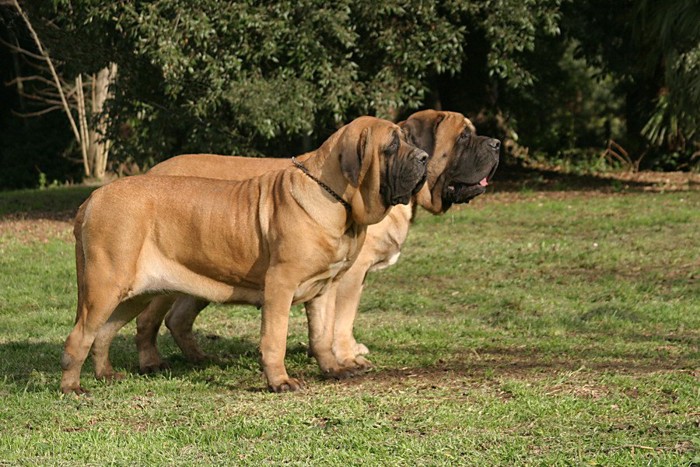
[[386, 134], [388, 129], [458, 122], [374, 132], [378, 126]]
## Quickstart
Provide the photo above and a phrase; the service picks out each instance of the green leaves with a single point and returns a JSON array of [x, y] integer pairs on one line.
[[668, 31], [266, 70], [267, 73], [255, 77], [511, 28]]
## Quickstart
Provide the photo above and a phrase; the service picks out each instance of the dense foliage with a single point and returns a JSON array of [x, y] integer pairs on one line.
[[560, 78]]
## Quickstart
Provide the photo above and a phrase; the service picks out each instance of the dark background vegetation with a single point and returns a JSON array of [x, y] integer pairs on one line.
[[584, 85]]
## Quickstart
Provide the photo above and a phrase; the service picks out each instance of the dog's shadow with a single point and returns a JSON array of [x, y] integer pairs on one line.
[[232, 363], [32, 366]]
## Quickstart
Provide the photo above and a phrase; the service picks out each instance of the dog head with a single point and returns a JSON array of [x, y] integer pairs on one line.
[[384, 169], [461, 163]]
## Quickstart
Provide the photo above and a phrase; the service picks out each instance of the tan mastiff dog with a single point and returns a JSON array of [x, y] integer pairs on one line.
[[459, 168], [281, 238]]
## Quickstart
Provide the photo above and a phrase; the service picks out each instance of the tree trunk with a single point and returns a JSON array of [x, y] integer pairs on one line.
[[98, 144]]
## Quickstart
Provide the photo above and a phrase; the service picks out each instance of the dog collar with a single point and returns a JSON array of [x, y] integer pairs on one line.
[[323, 185]]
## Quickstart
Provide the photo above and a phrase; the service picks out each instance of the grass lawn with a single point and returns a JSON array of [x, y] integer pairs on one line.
[[528, 328]]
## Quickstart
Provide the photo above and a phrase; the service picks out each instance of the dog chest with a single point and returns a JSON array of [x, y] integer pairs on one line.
[[386, 261], [319, 283]]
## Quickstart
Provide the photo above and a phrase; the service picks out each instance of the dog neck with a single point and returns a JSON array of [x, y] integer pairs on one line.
[[322, 184], [428, 197], [364, 199], [324, 167]]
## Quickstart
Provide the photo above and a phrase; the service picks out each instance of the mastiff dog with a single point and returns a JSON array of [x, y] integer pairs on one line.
[[460, 166], [284, 237]]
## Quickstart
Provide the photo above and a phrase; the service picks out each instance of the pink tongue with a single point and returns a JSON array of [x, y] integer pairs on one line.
[[483, 182]]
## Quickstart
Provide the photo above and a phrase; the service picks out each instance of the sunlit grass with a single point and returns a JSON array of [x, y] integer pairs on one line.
[[516, 330]]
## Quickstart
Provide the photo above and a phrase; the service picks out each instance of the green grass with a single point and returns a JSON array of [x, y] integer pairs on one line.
[[523, 329]]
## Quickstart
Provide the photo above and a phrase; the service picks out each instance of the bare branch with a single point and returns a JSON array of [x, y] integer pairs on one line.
[[38, 112], [22, 79], [48, 92], [66, 107], [18, 49], [41, 99]]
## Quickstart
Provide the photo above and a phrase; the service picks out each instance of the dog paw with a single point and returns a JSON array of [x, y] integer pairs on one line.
[[110, 377], [198, 359], [154, 368], [287, 385], [361, 349], [363, 364], [356, 365], [77, 390], [195, 355], [340, 372]]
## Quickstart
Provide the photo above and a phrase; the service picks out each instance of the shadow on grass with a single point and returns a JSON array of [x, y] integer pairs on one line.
[[525, 363], [32, 366]]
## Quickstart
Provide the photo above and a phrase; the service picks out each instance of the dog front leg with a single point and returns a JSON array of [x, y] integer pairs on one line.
[[278, 298], [346, 349], [320, 312]]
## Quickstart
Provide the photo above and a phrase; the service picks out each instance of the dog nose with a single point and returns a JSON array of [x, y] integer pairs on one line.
[[495, 144], [421, 156]]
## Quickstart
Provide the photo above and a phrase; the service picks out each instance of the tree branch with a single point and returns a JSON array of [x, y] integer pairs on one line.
[[38, 112], [22, 79], [18, 49], [66, 107], [42, 99]]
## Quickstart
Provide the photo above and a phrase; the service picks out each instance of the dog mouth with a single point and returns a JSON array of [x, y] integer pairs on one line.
[[409, 186], [420, 183], [463, 193], [404, 198]]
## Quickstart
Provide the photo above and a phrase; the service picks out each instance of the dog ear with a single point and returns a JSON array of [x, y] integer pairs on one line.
[[421, 133], [351, 161]]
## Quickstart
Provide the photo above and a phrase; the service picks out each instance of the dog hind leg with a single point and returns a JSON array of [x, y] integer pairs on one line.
[[147, 327], [94, 309], [125, 312], [180, 320]]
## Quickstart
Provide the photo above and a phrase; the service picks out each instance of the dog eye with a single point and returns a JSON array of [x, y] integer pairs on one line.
[[466, 134], [393, 146]]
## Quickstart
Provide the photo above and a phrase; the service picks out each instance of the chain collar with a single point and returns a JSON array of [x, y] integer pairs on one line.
[[323, 185]]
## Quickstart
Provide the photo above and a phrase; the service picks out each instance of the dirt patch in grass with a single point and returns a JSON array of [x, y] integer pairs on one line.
[[565, 375], [513, 184], [659, 181], [36, 229], [515, 179], [40, 215]]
